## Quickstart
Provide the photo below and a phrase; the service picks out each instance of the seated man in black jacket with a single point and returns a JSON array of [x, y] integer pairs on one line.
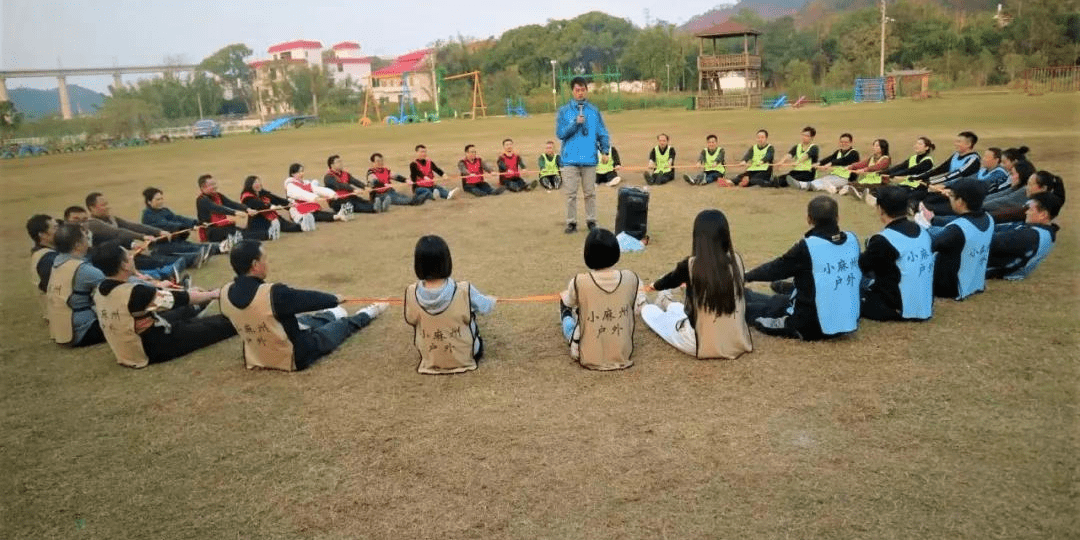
[[223, 215], [1017, 251], [898, 265], [146, 325], [824, 300], [265, 315], [339, 180], [962, 246]]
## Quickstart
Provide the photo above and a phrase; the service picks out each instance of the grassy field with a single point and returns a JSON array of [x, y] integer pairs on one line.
[[963, 427]]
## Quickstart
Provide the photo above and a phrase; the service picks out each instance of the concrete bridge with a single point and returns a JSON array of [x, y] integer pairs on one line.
[[62, 74]]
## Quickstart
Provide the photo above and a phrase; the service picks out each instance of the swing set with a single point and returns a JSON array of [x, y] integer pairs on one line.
[[477, 93]]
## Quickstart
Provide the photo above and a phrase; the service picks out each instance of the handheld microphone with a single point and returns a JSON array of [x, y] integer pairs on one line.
[[581, 112]]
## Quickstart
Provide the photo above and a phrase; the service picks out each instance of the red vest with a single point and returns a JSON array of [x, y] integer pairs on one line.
[[429, 179], [214, 218], [343, 178], [513, 163], [382, 183], [476, 171], [265, 200]]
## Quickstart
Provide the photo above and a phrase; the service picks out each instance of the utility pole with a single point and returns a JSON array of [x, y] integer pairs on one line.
[[881, 70], [554, 91], [668, 77]]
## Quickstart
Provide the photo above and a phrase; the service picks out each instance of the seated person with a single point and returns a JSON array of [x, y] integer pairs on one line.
[[42, 229], [161, 243], [919, 162], [309, 198], [758, 162], [472, 169], [145, 325], [550, 165], [661, 162], [510, 166], [868, 171], [711, 161], [992, 178], [802, 157], [422, 173], [265, 315], [712, 322], [443, 312], [157, 215], [824, 301], [963, 162], [608, 167], [345, 184], [268, 223], [152, 267], [836, 166], [898, 265], [224, 218], [962, 246], [72, 320], [597, 308], [380, 177], [1009, 208], [1015, 253]]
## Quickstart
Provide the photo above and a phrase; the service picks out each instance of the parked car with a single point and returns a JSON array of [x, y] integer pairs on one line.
[[206, 128]]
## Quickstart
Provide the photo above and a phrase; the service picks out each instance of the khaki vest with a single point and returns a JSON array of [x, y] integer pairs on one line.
[[266, 345], [605, 331], [445, 339], [118, 325], [722, 336], [35, 279], [61, 287]]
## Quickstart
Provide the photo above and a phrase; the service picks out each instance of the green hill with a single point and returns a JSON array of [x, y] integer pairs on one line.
[[35, 103]]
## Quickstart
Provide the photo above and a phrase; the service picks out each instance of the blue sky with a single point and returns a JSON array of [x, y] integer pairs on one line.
[[42, 34]]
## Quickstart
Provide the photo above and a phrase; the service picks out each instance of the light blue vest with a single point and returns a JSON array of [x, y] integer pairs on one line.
[[955, 162], [1046, 245], [916, 264], [973, 256], [836, 283]]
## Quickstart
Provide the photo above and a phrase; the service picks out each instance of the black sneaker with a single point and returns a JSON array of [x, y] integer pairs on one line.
[[498, 191], [591, 224], [570, 228]]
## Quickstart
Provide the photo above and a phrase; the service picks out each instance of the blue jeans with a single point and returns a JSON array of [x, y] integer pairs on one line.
[[324, 334], [429, 193], [398, 198]]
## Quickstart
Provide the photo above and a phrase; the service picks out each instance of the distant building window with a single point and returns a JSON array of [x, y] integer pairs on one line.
[[286, 55], [340, 68], [273, 74]]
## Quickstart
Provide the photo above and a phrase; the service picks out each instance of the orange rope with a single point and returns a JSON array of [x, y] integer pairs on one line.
[[399, 301]]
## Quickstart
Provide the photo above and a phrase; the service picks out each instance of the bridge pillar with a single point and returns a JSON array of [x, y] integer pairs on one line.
[[118, 81], [65, 100], [3, 90]]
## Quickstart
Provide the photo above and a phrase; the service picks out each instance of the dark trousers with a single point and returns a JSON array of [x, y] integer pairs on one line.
[[187, 334], [325, 333], [659, 178], [260, 225], [874, 307], [93, 336], [756, 178], [603, 178], [396, 197], [217, 234], [360, 206], [768, 313], [514, 184], [554, 181], [708, 177], [480, 189], [799, 176]]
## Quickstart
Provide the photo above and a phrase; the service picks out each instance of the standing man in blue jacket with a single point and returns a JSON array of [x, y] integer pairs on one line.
[[581, 129]]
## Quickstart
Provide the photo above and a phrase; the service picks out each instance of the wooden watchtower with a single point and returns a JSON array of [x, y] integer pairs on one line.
[[720, 68]]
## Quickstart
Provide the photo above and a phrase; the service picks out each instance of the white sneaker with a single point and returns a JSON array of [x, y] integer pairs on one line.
[[238, 237], [374, 310], [341, 215], [830, 188], [614, 181], [870, 200], [339, 312], [451, 193], [858, 194], [385, 202], [307, 222], [842, 191], [275, 229], [664, 299], [225, 245]]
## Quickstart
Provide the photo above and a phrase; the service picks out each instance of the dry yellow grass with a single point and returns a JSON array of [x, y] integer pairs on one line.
[[963, 427]]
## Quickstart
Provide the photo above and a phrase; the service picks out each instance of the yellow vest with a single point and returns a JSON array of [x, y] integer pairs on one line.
[[911, 162], [841, 170], [61, 287], [871, 178], [663, 160], [605, 324], [551, 167], [712, 161], [118, 325], [601, 167], [266, 345], [722, 336], [801, 161], [757, 158], [444, 339]]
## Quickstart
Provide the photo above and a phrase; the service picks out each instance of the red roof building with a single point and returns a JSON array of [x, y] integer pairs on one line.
[[405, 63]]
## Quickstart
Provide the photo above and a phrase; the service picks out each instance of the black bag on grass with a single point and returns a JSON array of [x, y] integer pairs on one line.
[[632, 215]]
